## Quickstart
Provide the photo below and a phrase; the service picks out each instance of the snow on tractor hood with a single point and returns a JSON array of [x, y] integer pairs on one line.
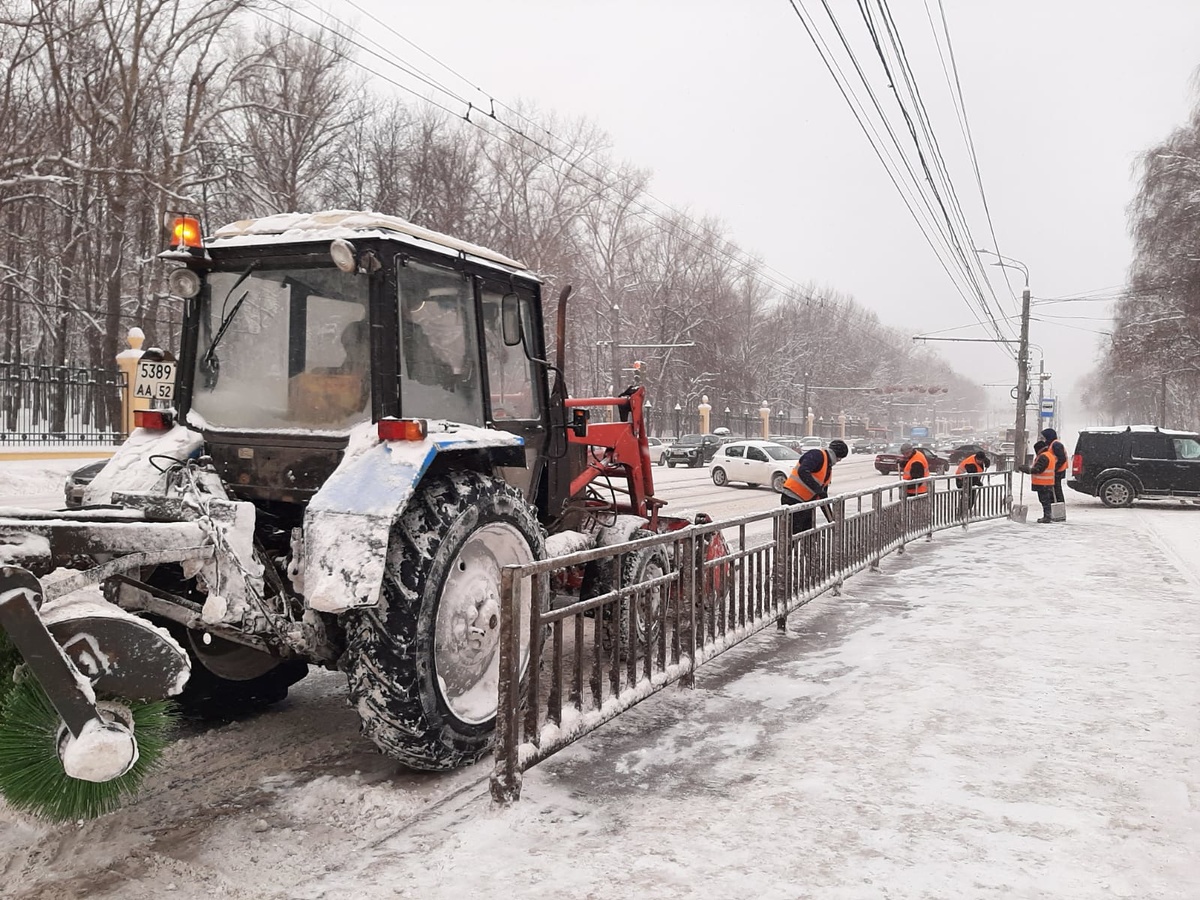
[[132, 468], [349, 521]]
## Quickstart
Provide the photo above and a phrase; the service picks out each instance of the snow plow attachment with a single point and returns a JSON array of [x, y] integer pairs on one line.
[[63, 753], [78, 649]]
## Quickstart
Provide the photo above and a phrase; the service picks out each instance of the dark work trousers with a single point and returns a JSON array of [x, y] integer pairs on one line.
[[968, 486], [803, 519], [1059, 477], [1045, 494]]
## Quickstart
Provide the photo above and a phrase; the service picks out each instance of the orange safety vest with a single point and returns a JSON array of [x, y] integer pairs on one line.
[[1044, 478], [969, 461], [907, 475], [823, 475], [1060, 468]]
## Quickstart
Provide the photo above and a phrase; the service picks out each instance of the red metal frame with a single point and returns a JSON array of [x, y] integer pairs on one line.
[[626, 453]]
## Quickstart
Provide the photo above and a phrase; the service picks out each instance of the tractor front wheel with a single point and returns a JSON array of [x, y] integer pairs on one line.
[[424, 665]]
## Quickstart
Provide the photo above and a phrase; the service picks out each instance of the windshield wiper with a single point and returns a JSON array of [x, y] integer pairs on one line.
[[209, 364]]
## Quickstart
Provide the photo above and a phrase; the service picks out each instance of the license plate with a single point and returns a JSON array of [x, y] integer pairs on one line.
[[155, 380]]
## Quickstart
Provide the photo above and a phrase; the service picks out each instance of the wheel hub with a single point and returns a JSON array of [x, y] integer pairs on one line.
[[467, 636]]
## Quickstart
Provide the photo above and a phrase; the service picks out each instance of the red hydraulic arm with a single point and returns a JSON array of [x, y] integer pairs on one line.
[[618, 451]]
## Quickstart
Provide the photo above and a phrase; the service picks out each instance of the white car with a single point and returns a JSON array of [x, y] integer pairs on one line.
[[658, 450], [753, 462]]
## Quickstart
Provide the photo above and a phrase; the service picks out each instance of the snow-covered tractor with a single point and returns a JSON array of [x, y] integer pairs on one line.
[[362, 427]]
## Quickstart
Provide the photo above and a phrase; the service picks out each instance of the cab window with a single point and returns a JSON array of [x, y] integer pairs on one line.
[[756, 454], [736, 452], [510, 373], [439, 355]]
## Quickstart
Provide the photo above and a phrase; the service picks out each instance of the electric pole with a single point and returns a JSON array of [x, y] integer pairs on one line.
[[804, 412], [615, 360], [1022, 380]]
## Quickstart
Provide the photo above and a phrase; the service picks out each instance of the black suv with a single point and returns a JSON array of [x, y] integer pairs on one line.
[[1140, 461], [693, 450]]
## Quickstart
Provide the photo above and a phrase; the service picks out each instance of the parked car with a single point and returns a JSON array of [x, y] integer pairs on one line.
[[962, 451], [811, 442], [78, 481], [692, 450], [861, 447], [888, 462], [1134, 463], [753, 462], [658, 450]]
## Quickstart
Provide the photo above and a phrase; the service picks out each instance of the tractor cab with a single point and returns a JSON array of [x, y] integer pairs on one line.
[[298, 329]]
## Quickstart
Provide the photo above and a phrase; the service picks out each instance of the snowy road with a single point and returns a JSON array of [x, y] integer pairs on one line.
[[1009, 713]]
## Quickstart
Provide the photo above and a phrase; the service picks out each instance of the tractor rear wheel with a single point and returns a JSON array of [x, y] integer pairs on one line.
[[424, 665]]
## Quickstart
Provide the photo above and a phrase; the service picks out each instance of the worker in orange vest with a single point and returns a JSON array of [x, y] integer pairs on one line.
[[809, 480], [1050, 436], [1041, 476], [975, 464], [915, 466]]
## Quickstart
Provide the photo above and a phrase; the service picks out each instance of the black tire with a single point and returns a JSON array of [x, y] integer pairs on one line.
[[230, 680], [422, 700], [1117, 492], [695, 463], [718, 476], [777, 482], [662, 459], [642, 565], [670, 463]]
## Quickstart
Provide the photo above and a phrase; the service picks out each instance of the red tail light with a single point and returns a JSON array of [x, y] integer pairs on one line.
[[153, 419], [1077, 465], [402, 429]]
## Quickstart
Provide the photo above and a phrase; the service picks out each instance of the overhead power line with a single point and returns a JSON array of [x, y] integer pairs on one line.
[[749, 267], [942, 220]]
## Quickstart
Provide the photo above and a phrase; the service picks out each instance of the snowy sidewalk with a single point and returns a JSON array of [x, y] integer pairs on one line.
[[1012, 713], [1005, 716]]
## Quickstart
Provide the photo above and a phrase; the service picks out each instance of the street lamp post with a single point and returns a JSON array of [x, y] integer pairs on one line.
[[727, 412], [678, 413], [1007, 262]]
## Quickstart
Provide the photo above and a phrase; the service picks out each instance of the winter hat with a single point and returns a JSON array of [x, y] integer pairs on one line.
[[905, 449], [1039, 446], [839, 448], [1050, 434]]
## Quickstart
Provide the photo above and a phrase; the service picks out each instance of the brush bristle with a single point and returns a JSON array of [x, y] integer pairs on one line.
[[31, 775]]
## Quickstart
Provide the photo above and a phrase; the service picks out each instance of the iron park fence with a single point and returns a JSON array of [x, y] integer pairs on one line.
[[568, 664], [59, 405]]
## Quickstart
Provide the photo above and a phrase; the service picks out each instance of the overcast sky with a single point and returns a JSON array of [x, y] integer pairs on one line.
[[731, 107]]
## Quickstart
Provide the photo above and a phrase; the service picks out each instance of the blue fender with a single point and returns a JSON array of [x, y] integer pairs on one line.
[[348, 522]]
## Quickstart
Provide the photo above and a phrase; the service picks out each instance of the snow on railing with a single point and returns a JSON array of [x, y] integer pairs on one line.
[[602, 629]]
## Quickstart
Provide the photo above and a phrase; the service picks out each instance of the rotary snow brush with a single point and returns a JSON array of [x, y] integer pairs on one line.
[[64, 754]]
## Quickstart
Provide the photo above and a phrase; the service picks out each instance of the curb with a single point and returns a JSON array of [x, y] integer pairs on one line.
[[34, 453]]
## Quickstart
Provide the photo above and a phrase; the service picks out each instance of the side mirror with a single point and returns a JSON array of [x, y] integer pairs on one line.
[[510, 319]]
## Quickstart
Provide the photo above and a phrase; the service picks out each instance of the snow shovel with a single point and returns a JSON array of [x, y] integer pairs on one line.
[[1019, 511]]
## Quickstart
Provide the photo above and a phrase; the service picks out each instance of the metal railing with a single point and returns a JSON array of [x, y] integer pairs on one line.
[[59, 405], [569, 663]]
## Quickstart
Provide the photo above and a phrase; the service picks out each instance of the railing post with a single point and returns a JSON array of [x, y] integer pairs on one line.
[[930, 509], [877, 528], [839, 543], [781, 581], [506, 775], [688, 599]]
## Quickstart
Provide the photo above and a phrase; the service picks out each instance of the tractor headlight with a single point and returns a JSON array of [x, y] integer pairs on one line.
[[184, 283]]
